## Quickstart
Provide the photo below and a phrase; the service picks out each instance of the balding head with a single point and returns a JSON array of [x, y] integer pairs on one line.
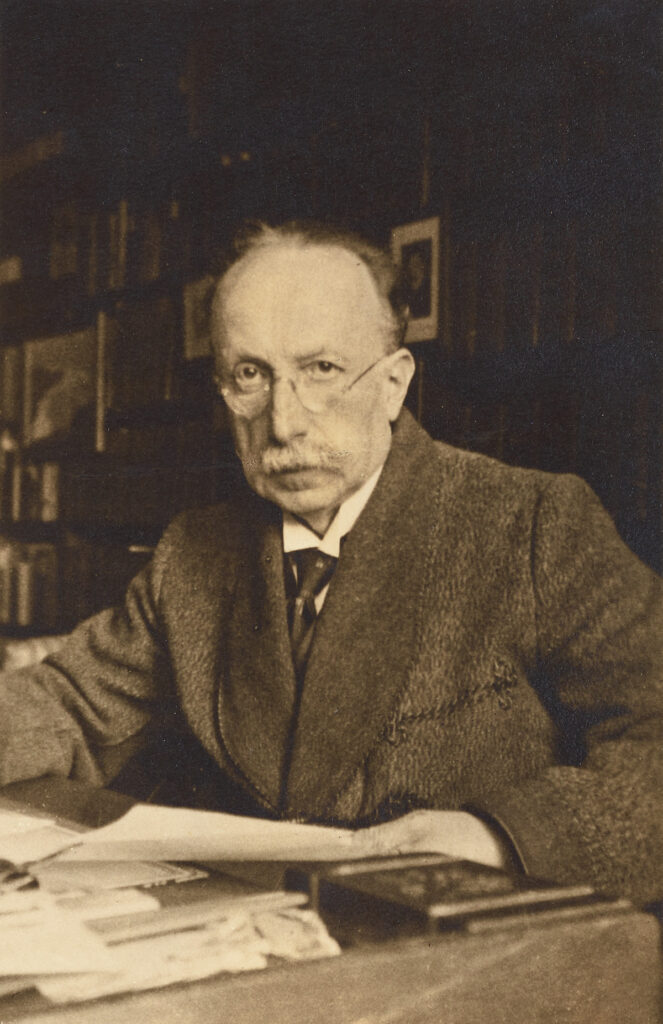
[[385, 310]]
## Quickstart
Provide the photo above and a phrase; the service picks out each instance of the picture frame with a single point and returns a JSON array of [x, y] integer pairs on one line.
[[59, 381], [415, 248]]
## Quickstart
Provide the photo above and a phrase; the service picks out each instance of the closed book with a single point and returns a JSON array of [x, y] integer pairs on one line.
[[383, 897]]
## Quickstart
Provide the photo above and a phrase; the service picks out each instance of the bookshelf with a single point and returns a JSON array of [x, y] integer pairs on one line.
[[108, 420]]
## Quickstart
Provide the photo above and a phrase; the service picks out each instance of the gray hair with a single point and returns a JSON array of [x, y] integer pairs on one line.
[[254, 236]]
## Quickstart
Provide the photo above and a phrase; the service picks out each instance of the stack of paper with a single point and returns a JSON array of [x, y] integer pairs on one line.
[[38, 937], [94, 949], [88, 930], [242, 940]]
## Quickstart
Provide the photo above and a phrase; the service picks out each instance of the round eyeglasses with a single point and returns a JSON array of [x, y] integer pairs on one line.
[[247, 389]]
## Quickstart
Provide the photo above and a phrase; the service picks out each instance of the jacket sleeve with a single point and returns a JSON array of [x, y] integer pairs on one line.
[[82, 711], [599, 814]]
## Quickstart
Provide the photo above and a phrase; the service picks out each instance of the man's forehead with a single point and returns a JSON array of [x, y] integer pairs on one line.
[[287, 280]]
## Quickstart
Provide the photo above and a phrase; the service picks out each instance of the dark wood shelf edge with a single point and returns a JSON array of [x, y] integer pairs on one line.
[[31, 531], [9, 631]]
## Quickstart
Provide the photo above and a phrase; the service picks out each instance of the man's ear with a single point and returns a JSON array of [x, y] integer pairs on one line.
[[401, 370]]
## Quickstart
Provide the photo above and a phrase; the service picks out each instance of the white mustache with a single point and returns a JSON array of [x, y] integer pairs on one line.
[[296, 457]]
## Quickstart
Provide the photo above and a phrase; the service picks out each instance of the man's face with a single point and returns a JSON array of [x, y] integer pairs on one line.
[[307, 314]]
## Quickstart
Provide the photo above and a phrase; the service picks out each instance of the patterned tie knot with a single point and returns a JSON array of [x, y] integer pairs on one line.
[[314, 571]]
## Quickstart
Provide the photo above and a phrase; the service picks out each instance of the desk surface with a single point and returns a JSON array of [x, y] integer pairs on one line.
[[584, 971]]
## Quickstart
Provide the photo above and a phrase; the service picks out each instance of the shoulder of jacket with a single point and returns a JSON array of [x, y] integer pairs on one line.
[[477, 468], [480, 482], [208, 527]]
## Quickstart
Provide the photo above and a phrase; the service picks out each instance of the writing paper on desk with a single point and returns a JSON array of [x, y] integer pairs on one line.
[[155, 962], [238, 941], [65, 875], [24, 838], [13, 822], [46, 940], [149, 832], [37, 843]]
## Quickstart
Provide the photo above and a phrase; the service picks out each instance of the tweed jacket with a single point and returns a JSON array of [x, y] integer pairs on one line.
[[487, 643]]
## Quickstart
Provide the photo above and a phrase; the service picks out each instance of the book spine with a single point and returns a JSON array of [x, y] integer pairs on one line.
[[17, 490], [6, 583], [10, 384], [102, 382], [50, 492], [24, 591]]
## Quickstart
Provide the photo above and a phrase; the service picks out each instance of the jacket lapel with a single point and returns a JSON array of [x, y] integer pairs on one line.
[[258, 686], [366, 636]]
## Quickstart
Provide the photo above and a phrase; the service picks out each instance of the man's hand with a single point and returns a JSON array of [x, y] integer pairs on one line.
[[455, 833]]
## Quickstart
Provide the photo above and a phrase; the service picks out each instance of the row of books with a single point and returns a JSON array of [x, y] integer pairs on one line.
[[50, 587], [29, 585], [532, 285], [29, 491], [148, 472], [107, 250], [138, 354]]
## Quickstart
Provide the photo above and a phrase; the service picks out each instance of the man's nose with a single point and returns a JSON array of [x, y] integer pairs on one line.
[[288, 417]]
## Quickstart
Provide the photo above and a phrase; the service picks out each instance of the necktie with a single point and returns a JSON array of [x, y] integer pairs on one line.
[[314, 571]]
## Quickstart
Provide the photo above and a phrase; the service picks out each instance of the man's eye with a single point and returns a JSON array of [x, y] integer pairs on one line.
[[249, 375], [322, 369]]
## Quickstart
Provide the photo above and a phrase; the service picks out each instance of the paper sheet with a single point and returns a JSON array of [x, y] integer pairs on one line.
[[64, 875], [25, 838], [29, 845], [164, 960], [47, 940], [13, 822], [97, 906], [149, 832], [239, 941]]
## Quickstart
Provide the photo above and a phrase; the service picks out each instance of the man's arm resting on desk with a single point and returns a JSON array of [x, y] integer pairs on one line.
[[594, 814], [73, 713], [456, 833]]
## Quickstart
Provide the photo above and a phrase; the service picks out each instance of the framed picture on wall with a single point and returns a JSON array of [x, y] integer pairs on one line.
[[416, 249], [60, 381]]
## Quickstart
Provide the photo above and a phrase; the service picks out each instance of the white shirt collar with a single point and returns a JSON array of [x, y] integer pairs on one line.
[[297, 535]]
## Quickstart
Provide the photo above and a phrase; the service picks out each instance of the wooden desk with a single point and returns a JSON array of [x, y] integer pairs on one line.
[[595, 970]]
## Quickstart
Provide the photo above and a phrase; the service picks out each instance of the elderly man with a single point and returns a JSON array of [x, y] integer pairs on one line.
[[383, 631]]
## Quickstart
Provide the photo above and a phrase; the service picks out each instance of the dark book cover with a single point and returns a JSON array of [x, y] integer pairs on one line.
[[405, 895]]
